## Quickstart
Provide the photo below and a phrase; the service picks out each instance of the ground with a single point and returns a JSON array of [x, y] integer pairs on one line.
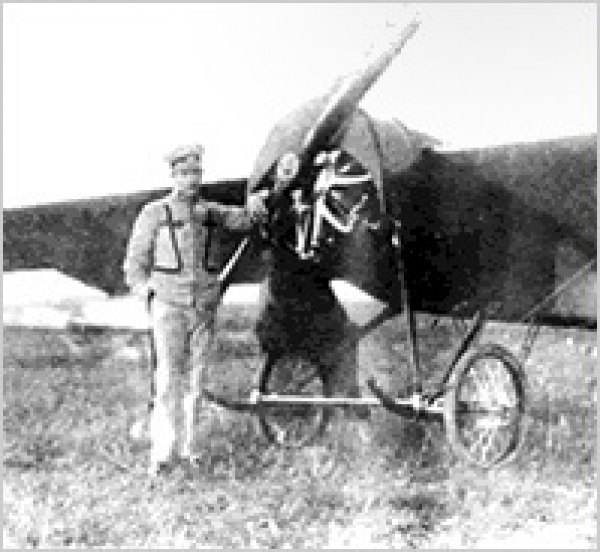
[[73, 478]]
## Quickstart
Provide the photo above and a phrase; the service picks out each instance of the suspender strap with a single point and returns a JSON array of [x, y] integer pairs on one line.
[[179, 267], [209, 265]]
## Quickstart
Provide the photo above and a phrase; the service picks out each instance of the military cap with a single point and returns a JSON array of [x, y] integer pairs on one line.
[[189, 155]]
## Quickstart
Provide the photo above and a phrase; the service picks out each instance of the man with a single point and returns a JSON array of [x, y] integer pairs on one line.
[[167, 266]]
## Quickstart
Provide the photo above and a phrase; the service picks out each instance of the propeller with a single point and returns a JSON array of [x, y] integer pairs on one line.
[[295, 167]]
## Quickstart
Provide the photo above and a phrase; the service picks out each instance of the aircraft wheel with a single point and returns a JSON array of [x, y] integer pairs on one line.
[[485, 406], [293, 426]]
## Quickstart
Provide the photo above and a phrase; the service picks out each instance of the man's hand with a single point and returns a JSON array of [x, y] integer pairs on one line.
[[256, 206]]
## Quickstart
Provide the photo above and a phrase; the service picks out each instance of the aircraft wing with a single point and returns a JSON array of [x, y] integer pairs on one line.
[[87, 238], [505, 224]]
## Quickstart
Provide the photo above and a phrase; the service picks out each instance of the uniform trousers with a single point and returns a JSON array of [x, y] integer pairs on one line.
[[183, 337]]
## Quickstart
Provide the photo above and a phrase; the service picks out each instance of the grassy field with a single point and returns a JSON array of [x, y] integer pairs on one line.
[[72, 478]]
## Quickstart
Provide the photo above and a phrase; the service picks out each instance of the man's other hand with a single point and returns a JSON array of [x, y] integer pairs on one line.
[[256, 205]]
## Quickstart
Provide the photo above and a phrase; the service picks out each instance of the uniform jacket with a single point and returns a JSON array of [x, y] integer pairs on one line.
[[171, 254]]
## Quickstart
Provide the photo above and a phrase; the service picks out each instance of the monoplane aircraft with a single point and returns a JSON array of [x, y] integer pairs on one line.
[[494, 233]]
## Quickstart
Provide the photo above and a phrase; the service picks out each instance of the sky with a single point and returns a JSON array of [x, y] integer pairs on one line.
[[95, 95]]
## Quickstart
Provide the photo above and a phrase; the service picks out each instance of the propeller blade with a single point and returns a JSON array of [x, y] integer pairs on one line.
[[350, 91]]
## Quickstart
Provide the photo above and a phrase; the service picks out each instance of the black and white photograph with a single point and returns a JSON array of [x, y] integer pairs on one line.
[[299, 275]]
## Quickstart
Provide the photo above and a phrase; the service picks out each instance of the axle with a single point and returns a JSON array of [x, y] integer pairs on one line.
[[414, 404]]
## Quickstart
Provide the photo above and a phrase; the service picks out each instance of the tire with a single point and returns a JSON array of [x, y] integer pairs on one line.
[[470, 421], [286, 425]]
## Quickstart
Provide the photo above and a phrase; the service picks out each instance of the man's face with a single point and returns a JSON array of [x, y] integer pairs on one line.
[[187, 178]]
